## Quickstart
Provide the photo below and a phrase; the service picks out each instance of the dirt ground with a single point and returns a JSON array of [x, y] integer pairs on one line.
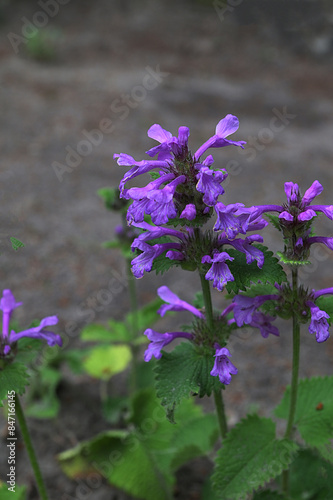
[[115, 68]]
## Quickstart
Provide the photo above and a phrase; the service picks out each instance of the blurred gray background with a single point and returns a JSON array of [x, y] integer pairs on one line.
[[83, 80]]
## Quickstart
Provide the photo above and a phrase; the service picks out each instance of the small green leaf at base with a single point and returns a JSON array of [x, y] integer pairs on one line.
[[250, 457]]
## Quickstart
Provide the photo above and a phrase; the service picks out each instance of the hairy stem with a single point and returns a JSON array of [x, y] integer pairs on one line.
[[219, 405], [134, 323], [294, 377], [30, 449]]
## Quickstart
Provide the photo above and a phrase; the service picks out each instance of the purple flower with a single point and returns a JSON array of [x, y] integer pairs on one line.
[[223, 367], [263, 322], [298, 208], [144, 261], [38, 332], [160, 340], [163, 207], [227, 126], [246, 307], [175, 159], [320, 239], [168, 143], [138, 168], [251, 253], [318, 323], [7, 305], [189, 212], [219, 273], [209, 183], [174, 303], [231, 219]]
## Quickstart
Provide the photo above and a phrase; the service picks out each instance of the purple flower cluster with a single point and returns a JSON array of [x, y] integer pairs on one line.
[[185, 185], [222, 368], [246, 312], [7, 305], [295, 218]]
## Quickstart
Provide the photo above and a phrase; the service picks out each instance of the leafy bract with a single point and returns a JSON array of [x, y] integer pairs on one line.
[[246, 274], [183, 372]]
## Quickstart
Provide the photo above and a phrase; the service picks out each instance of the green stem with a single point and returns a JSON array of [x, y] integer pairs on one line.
[[219, 405], [294, 377], [134, 325], [31, 452], [207, 302]]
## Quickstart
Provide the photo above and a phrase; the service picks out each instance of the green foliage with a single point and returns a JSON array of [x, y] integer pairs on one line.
[[42, 401], [274, 220], [310, 477], [142, 461], [20, 492], [105, 361], [250, 457], [114, 408], [162, 264], [13, 377], [291, 262], [183, 372], [269, 495], [314, 412], [117, 332], [16, 244], [247, 274]]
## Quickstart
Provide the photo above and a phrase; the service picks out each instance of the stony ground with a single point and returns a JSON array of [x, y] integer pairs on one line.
[[135, 64]]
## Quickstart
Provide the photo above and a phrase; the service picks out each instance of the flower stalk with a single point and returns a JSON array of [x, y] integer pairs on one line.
[[294, 376], [30, 449]]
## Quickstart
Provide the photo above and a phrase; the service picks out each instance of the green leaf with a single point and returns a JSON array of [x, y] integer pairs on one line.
[[123, 459], [274, 220], [246, 274], [291, 262], [16, 244], [42, 401], [314, 411], [117, 332], [181, 373], [269, 495], [13, 377], [173, 444], [162, 264], [250, 457], [310, 477], [142, 462], [20, 492], [28, 349], [114, 408], [105, 361]]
